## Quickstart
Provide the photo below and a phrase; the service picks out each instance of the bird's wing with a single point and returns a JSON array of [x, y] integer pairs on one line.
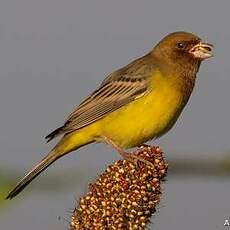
[[110, 96], [114, 92]]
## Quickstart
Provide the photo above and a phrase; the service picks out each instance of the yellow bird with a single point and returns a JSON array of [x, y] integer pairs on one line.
[[134, 104]]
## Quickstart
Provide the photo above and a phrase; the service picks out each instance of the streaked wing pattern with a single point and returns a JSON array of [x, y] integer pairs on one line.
[[110, 96]]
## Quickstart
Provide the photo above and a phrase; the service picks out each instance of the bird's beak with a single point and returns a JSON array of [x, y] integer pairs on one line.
[[202, 50]]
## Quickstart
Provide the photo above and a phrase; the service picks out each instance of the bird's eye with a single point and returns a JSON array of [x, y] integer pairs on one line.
[[180, 45]]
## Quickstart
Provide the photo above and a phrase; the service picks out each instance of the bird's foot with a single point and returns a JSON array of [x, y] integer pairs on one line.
[[132, 157]]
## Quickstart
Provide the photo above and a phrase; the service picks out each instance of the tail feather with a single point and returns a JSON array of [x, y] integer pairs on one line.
[[67, 144], [40, 167]]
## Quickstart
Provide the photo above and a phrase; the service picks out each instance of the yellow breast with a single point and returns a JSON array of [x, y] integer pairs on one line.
[[145, 118]]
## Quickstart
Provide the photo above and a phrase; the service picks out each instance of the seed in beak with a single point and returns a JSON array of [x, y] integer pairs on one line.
[[202, 51]]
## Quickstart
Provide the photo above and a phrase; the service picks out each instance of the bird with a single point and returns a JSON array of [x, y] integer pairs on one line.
[[134, 104]]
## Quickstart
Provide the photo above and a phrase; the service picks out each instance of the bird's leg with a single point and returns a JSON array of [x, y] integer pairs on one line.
[[127, 156]]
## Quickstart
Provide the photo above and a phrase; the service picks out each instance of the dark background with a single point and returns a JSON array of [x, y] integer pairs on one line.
[[53, 53]]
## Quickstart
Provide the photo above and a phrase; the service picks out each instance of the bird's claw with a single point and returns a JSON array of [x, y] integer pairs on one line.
[[134, 159]]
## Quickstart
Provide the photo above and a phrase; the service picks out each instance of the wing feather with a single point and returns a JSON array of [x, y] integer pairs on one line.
[[108, 98], [116, 90]]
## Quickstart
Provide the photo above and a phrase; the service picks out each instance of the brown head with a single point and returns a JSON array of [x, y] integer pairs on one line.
[[183, 51]]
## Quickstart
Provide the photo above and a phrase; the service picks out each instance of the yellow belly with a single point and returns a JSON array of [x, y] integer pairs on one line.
[[145, 118]]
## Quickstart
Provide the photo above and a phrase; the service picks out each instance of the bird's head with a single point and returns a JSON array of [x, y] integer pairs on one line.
[[182, 49]]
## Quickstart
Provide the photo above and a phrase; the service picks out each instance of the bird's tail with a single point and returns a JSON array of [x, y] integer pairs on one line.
[[35, 171], [67, 144]]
